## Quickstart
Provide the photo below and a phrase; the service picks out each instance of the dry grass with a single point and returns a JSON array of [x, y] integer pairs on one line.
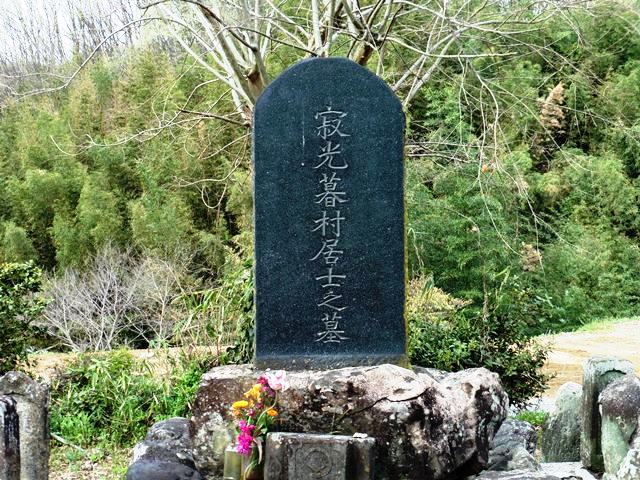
[[68, 463]]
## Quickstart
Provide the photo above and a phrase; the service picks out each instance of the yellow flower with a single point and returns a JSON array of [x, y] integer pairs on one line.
[[272, 412], [254, 393], [240, 405]]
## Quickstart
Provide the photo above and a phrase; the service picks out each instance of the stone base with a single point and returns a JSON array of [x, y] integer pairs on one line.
[[427, 424], [305, 456], [323, 362]]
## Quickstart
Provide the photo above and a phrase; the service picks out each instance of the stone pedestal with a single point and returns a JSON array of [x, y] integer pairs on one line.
[[598, 373], [303, 456], [32, 400], [426, 425], [9, 440]]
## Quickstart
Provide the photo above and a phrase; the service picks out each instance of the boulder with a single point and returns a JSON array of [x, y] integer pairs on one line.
[[598, 373], [521, 459], [426, 426], [620, 407], [561, 431], [513, 447], [546, 471], [165, 453], [32, 405]]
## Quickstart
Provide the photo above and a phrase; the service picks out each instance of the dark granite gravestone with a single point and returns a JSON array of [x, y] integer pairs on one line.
[[329, 219]]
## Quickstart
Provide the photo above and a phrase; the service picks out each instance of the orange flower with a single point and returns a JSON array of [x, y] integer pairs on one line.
[[272, 412]]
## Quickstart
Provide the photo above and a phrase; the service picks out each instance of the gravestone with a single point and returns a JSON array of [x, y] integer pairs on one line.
[[598, 373], [560, 440], [32, 400], [9, 440], [329, 219], [303, 456]]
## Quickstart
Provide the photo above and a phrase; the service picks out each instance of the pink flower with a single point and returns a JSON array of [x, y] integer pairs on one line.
[[277, 380], [245, 444], [245, 438]]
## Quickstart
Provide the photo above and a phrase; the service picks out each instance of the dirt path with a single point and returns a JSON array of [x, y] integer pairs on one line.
[[569, 351]]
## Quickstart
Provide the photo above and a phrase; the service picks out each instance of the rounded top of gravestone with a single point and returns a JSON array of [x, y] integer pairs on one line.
[[310, 78], [621, 398], [20, 384]]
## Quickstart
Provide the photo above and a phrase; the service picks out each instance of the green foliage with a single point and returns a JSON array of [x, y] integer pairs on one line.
[[76, 173], [465, 338], [16, 245], [112, 399], [589, 273], [534, 417], [462, 229], [160, 223], [18, 307]]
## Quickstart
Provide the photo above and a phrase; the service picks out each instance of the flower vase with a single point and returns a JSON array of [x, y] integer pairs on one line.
[[251, 471], [232, 464]]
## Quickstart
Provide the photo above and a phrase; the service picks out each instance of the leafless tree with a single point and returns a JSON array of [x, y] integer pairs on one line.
[[88, 311], [120, 298], [42, 40]]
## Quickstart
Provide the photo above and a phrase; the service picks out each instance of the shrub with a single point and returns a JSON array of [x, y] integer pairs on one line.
[[18, 307], [112, 398], [464, 337], [590, 273]]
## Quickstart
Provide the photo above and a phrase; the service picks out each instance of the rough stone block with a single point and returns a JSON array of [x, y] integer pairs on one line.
[[299, 456], [630, 468], [161, 471], [513, 447], [32, 400], [426, 426], [561, 432], [9, 440], [598, 373]]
